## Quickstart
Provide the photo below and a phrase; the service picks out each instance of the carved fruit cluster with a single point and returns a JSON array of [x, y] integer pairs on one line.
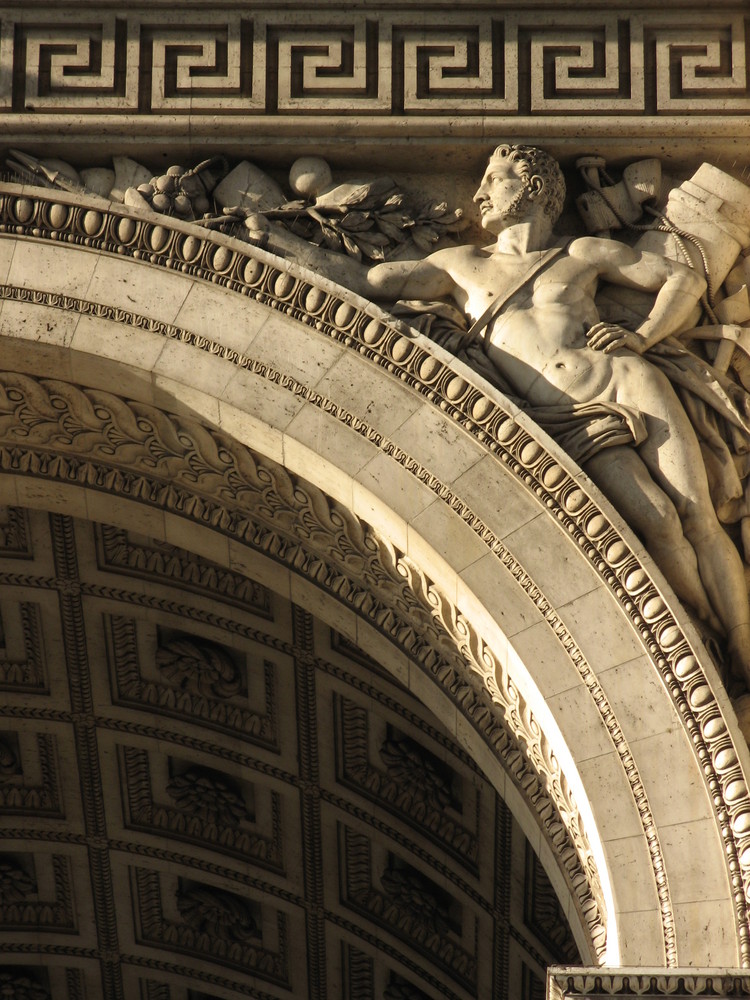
[[178, 192]]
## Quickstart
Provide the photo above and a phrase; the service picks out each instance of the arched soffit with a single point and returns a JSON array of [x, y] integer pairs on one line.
[[415, 497]]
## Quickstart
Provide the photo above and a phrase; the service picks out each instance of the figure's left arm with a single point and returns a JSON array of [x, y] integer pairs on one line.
[[678, 291]]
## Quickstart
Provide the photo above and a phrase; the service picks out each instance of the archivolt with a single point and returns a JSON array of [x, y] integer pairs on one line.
[[96, 440], [92, 438]]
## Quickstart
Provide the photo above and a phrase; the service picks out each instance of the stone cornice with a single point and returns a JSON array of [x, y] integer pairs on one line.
[[571, 984]]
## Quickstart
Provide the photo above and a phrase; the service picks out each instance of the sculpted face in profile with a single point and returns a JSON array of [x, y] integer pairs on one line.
[[531, 306], [533, 309]]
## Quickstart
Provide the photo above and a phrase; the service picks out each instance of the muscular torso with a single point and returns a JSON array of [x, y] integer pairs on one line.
[[538, 340]]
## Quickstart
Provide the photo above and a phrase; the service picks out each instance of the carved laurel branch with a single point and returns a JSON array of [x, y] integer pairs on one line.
[[54, 429], [39, 214]]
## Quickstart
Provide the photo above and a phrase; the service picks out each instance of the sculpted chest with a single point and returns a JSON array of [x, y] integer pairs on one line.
[[486, 277]]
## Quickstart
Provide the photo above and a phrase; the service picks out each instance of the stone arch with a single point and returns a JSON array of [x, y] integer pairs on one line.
[[444, 501]]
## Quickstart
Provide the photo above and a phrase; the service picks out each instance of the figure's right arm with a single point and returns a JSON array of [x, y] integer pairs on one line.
[[388, 282]]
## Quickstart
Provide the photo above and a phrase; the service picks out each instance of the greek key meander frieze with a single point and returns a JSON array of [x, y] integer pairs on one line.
[[380, 62]]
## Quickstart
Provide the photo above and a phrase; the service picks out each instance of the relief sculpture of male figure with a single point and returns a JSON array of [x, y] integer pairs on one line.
[[545, 338], [549, 345]]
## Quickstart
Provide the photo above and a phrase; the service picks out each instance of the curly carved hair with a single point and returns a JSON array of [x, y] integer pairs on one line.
[[530, 161]]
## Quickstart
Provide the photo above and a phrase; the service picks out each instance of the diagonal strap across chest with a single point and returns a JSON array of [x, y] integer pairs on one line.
[[522, 281]]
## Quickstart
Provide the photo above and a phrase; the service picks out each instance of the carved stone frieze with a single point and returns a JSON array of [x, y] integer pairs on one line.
[[119, 552], [478, 63]]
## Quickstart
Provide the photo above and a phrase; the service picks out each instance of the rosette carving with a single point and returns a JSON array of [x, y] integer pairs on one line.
[[199, 666]]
